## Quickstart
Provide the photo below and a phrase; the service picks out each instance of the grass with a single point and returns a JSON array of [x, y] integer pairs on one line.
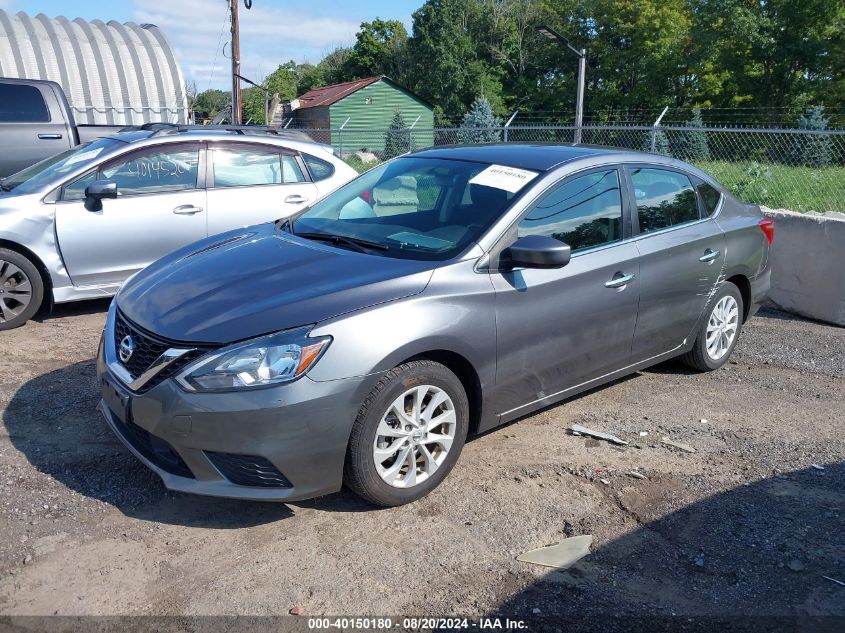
[[360, 166], [782, 186]]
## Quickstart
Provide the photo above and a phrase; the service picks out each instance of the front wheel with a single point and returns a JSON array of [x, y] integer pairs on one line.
[[21, 289], [718, 334], [408, 434]]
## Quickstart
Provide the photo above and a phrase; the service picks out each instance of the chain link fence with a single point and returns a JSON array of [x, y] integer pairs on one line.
[[802, 170]]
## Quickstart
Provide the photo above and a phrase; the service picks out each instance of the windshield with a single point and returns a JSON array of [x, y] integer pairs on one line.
[[415, 208], [39, 175]]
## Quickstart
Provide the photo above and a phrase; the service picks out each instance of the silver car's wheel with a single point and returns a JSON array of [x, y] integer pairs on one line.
[[722, 327], [21, 289], [414, 436], [719, 331], [408, 433]]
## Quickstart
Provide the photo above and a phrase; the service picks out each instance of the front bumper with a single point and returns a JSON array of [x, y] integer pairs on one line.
[[290, 440]]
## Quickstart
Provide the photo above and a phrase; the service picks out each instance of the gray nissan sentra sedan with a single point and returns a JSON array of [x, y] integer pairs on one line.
[[441, 294]]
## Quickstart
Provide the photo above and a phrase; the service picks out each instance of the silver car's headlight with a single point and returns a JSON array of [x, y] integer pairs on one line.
[[267, 360]]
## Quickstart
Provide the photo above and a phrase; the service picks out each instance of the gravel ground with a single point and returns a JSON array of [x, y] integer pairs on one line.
[[746, 525]]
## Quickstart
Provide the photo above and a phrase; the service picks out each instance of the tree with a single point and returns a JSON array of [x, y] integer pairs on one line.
[[813, 150], [481, 116], [254, 108], [692, 146], [282, 82], [657, 143], [211, 102], [397, 139], [380, 49]]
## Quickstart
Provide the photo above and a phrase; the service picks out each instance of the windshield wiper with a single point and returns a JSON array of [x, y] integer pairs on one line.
[[355, 243], [4, 186]]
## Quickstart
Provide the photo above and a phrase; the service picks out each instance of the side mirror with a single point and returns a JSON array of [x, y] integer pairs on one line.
[[539, 251], [97, 191]]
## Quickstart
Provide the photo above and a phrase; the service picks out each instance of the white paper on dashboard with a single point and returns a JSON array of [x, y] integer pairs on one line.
[[83, 156], [502, 177]]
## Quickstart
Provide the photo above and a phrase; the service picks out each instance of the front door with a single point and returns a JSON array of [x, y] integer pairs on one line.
[[251, 183], [160, 208], [559, 328], [681, 258]]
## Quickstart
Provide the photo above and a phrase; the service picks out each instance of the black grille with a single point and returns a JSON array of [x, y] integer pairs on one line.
[[248, 470], [153, 448], [148, 348]]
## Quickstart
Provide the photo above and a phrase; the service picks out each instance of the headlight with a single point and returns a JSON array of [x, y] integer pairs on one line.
[[268, 360]]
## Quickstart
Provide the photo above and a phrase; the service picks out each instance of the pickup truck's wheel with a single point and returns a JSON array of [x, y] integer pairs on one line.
[[21, 289], [718, 334], [408, 434]]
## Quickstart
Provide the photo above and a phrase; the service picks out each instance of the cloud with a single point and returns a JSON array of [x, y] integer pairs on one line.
[[269, 37]]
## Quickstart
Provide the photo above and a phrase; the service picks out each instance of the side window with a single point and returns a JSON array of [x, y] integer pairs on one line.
[[291, 172], [75, 191], [584, 211], [22, 104], [237, 167], [710, 197], [320, 169], [161, 171], [664, 199]]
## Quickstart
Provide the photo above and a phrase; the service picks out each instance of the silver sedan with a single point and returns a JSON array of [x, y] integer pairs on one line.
[[78, 224]]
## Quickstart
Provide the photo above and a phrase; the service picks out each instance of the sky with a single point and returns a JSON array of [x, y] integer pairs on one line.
[[272, 32]]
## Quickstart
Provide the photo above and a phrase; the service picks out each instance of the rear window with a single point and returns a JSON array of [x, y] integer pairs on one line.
[[710, 197], [22, 104], [320, 169]]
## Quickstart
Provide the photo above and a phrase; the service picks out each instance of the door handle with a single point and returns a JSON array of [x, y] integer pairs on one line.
[[48, 137], [187, 209], [296, 199], [618, 282], [709, 256]]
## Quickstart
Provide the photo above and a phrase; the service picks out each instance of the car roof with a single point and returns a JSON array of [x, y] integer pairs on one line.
[[535, 156], [254, 134]]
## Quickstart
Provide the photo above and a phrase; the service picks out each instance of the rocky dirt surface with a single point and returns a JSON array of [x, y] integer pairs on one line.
[[748, 524]]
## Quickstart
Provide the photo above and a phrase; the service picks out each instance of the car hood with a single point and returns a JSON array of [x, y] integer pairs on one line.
[[259, 280]]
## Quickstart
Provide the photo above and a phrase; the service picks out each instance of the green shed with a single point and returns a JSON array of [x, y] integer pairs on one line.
[[357, 112]]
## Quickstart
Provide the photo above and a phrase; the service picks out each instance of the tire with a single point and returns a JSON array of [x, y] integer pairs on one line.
[[701, 356], [403, 385], [21, 289]]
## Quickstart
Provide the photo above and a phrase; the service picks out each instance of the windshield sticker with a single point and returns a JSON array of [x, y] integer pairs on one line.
[[83, 156], [501, 177]]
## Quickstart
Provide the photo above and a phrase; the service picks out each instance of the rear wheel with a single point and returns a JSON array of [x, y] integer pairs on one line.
[[21, 289], [408, 434], [718, 334]]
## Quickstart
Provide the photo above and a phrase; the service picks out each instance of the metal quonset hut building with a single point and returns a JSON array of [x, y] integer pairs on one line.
[[359, 107], [112, 74]]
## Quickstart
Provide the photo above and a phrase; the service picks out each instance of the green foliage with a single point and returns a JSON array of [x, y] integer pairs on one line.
[[360, 166], [657, 142], [253, 106], [691, 146], [814, 150], [480, 115], [397, 140], [211, 102], [380, 49], [282, 82]]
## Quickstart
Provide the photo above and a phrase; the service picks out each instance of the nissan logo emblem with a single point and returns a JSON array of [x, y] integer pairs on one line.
[[127, 347]]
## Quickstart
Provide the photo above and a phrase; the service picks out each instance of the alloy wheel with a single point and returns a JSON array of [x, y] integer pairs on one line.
[[414, 436], [722, 327], [15, 291]]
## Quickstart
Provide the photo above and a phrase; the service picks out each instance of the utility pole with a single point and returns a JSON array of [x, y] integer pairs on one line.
[[236, 63], [550, 33]]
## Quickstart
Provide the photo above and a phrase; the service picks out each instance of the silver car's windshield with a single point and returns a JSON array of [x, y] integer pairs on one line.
[[414, 208], [44, 173]]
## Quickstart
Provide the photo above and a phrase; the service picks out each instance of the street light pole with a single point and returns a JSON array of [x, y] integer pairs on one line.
[[266, 98], [551, 34]]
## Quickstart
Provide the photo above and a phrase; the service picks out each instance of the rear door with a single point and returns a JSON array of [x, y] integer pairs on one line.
[[29, 131], [250, 183], [681, 257], [160, 207]]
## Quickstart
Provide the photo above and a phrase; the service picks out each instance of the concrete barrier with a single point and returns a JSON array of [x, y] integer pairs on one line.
[[808, 264]]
